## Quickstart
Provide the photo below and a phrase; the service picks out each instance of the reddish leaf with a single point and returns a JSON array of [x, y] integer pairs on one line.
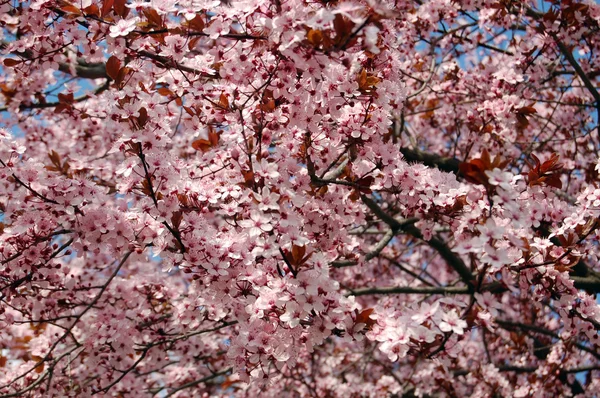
[[39, 368], [354, 195], [153, 17], [120, 9], [106, 7], [551, 15], [314, 37], [364, 317], [526, 110], [113, 65], [248, 177], [554, 181], [521, 115], [62, 107], [65, 98], [485, 159], [342, 25], [176, 219], [213, 137], [123, 72], [197, 23], [165, 91], [547, 173], [362, 80], [92, 10], [551, 164], [474, 170], [201, 145], [268, 106], [7, 91], [366, 81], [193, 43], [223, 101], [189, 111], [297, 254], [143, 117], [70, 9], [344, 28], [365, 184], [11, 62]]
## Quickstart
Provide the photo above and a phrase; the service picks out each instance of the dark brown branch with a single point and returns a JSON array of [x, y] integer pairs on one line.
[[233, 36], [50, 351], [415, 275], [449, 165], [196, 382], [84, 70], [124, 372], [169, 63], [36, 241], [176, 234], [34, 192], [45, 105], [389, 235], [582, 75], [528, 369], [590, 284], [410, 290], [510, 325], [452, 259], [492, 287]]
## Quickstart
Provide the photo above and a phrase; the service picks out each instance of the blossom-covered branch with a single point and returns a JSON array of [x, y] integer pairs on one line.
[[280, 197]]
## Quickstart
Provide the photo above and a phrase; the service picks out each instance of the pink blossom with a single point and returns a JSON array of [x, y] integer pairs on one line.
[[257, 224], [426, 312], [292, 314], [123, 27], [215, 198], [452, 322]]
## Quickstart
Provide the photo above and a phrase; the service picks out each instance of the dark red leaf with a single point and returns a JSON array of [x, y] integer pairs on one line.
[[113, 65], [106, 7]]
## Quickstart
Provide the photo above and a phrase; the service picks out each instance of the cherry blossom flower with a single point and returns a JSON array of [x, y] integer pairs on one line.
[[257, 224], [123, 27], [452, 322], [292, 314], [426, 312]]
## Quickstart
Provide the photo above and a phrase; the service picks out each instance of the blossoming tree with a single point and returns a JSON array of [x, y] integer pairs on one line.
[[293, 198]]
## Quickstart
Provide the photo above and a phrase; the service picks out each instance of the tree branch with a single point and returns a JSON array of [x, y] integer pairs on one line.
[[389, 235], [452, 259], [84, 70], [45, 105], [410, 290], [89, 306], [510, 325], [196, 382], [449, 165], [492, 287]]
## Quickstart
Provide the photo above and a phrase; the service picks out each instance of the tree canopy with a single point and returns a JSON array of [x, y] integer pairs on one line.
[[299, 198]]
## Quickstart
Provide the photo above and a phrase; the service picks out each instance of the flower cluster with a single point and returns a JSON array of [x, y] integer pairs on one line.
[[291, 198]]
